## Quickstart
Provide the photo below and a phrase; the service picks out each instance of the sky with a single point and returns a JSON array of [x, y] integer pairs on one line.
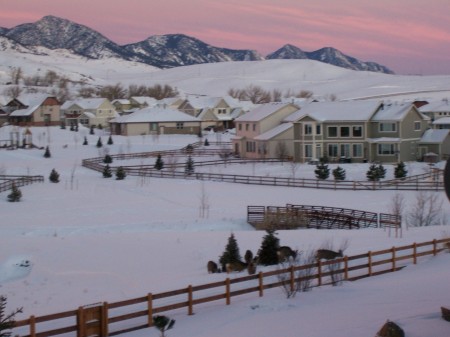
[[407, 36], [69, 244]]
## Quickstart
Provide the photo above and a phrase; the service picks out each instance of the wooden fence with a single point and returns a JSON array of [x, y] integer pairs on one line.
[[432, 181], [109, 319], [8, 180], [307, 216]]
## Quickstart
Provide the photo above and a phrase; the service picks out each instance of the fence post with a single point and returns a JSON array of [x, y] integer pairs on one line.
[[434, 247], [393, 259], [260, 281], [80, 322], [227, 291], [415, 253], [369, 257], [104, 320], [291, 271], [150, 309], [190, 310], [32, 326], [346, 267], [319, 273]]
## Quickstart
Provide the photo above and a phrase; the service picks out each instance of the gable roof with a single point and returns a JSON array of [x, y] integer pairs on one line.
[[394, 112], [442, 121], [279, 129], [85, 103], [201, 102], [262, 111], [433, 136], [155, 114], [336, 111], [436, 106]]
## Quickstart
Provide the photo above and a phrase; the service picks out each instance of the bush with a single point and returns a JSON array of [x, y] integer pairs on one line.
[[108, 159], [159, 164], [120, 173], [322, 171], [376, 172], [15, 194], [107, 172], [110, 141], [400, 171], [54, 176], [47, 152], [339, 173], [99, 142], [189, 167]]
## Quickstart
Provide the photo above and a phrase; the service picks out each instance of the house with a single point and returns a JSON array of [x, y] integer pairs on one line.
[[441, 123], [259, 131], [155, 121], [141, 102], [33, 110], [435, 142], [436, 109], [88, 112], [357, 131], [122, 105]]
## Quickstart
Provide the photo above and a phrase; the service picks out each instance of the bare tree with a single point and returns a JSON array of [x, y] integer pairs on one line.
[[304, 94], [12, 92], [427, 210], [16, 75], [276, 95], [86, 92], [294, 166], [204, 202], [281, 150], [112, 92], [397, 207]]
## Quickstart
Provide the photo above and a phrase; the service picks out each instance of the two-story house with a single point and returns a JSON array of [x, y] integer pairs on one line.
[[261, 133], [34, 110], [88, 112]]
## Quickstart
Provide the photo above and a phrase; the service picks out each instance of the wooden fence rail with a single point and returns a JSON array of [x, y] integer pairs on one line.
[[109, 319], [8, 180]]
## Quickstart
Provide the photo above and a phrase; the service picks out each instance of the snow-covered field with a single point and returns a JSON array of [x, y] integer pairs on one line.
[[90, 239]]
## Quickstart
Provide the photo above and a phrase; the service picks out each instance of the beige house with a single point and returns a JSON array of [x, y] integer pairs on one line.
[[358, 131], [88, 112], [34, 110], [436, 142], [155, 121], [436, 110], [259, 132]]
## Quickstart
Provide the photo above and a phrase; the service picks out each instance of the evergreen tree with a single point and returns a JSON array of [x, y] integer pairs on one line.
[[231, 253], [120, 173], [400, 171], [322, 171], [108, 159], [339, 173], [71, 127], [269, 247], [381, 171], [376, 172], [206, 142], [189, 148], [107, 171], [163, 323], [189, 168], [85, 141], [63, 125], [54, 176], [91, 131], [15, 194], [100, 127], [99, 142], [6, 321], [110, 140], [47, 152], [159, 164]]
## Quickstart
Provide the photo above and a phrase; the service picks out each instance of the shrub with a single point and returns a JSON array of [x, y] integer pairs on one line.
[[15, 194], [54, 176]]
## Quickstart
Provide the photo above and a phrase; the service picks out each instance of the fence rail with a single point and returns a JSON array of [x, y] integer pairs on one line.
[[6, 181], [133, 314]]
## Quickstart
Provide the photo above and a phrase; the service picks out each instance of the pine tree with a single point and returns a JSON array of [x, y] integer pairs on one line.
[[15, 195], [85, 141], [231, 253], [100, 127], [47, 152], [400, 171], [206, 142], [163, 323], [372, 173], [322, 171], [189, 168], [54, 176], [108, 159], [269, 246], [107, 171], [110, 140], [381, 171], [99, 142], [159, 164], [339, 173], [91, 131], [6, 321], [120, 173]]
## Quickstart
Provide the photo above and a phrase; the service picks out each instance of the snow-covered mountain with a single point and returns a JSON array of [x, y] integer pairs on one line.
[[163, 51], [328, 55]]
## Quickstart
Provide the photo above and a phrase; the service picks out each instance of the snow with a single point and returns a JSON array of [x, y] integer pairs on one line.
[[89, 239]]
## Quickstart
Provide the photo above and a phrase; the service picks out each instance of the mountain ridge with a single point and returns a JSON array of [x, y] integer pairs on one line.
[[162, 51]]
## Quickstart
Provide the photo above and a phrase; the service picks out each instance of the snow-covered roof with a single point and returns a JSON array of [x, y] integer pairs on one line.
[[84, 103], [442, 121], [261, 112], [434, 136], [32, 99], [150, 101], [201, 102], [436, 106], [24, 112], [392, 112], [384, 140], [155, 114], [279, 129], [336, 111], [122, 101]]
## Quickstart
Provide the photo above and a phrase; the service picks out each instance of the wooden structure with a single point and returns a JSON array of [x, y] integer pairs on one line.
[[6, 181], [320, 217], [128, 315]]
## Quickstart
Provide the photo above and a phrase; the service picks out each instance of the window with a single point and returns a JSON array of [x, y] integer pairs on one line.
[[308, 129], [386, 149], [357, 150], [417, 126], [240, 126], [254, 127], [388, 127], [332, 131], [345, 131], [333, 150], [246, 127], [180, 125], [357, 131], [345, 150], [251, 147], [153, 126], [318, 129], [308, 151]]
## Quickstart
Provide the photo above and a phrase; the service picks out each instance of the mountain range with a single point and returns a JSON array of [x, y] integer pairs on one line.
[[162, 51]]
